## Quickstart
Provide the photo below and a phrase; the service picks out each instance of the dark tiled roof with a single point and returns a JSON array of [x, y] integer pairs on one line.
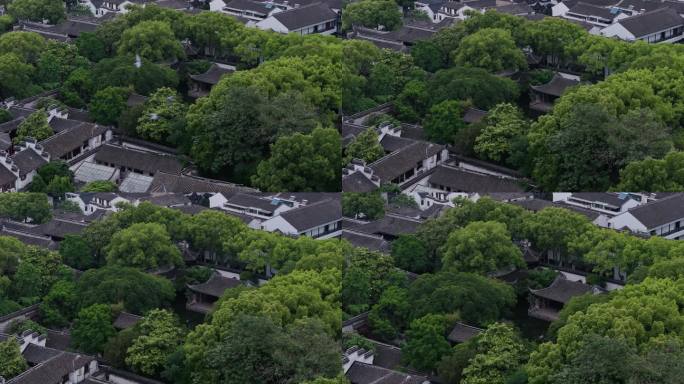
[[397, 163], [248, 5], [459, 180], [652, 22], [390, 225], [562, 290], [135, 99], [59, 125], [59, 228], [394, 143], [474, 115], [301, 17], [555, 87], [366, 240], [361, 373], [167, 199], [168, 182], [5, 141], [136, 159], [660, 212], [213, 74], [58, 339], [463, 332], [244, 200], [215, 286], [6, 177], [515, 9], [28, 160], [53, 369], [126, 320], [585, 9], [30, 238], [35, 354], [601, 197], [357, 182], [314, 215], [64, 142]]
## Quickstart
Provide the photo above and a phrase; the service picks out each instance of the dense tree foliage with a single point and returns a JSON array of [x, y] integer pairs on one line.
[[372, 14], [370, 206], [143, 245], [12, 362], [92, 328]]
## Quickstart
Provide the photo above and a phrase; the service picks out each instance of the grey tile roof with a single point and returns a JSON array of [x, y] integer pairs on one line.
[[366, 240], [52, 370], [585, 9], [555, 87], [213, 74], [30, 238], [64, 142], [536, 205], [59, 228], [244, 200], [398, 162], [314, 215], [126, 320], [390, 225], [463, 332], [460, 180], [652, 22], [6, 177], [562, 290], [660, 212], [28, 160], [306, 16], [168, 182], [357, 182], [216, 285], [474, 115], [613, 199], [361, 373], [136, 159], [248, 5]]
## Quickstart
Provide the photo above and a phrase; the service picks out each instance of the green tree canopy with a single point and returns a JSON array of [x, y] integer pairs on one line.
[[144, 246], [302, 163], [92, 328], [160, 334], [482, 247], [12, 362], [153, 40], [503, 124], [444, 121], [35, 126], [365, 146], [367, 205], [163, 117], [37, 10], [372, 14], [108, 104], [492, 49]]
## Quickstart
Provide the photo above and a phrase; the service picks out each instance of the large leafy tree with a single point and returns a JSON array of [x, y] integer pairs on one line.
[[58, 307], [76, 252], [12, 362], [482, 247], [37, 10], [153, 40], [285, 300], [143, 245], [302, 163], [107, 105], [366, 205], [255, 350], [35, 126], [492, 49], [444, 121], [427, 342], [365, 146], [25, 206], [160, 334], [499, 353], [29, 46], [137, 291], [478, 300], [388, 316], [475, 84], [411, 254], [372, 14], [643, 315], [163, 117], [503, 124], [15, 76], [654, 174], [92, 328]]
